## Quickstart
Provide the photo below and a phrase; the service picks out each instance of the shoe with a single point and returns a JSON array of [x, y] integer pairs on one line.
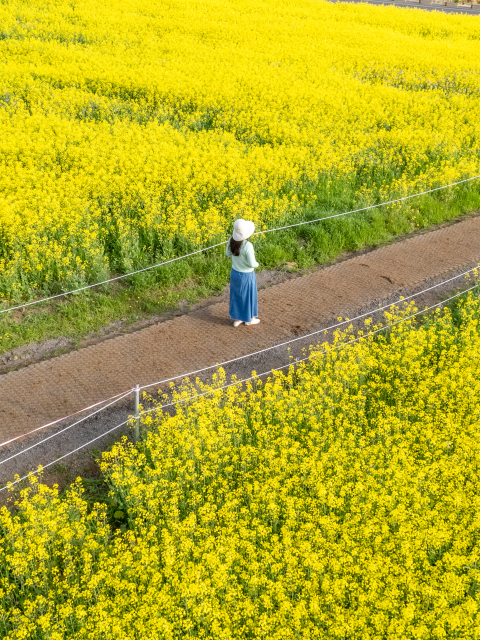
[[237, 323], [253, 321]]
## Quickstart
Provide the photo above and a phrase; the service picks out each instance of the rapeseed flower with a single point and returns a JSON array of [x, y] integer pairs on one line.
[[336, 500], [128, 126]]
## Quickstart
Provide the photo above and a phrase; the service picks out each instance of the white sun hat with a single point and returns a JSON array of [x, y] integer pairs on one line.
[[242, 229]]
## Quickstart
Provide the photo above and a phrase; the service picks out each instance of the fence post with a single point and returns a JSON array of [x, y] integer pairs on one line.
[[136, 394]]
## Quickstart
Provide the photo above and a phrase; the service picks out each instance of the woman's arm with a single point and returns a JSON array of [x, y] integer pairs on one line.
[[228, 253], [250, 256]]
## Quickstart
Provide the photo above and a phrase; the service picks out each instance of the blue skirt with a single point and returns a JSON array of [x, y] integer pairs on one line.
[[243, 296]]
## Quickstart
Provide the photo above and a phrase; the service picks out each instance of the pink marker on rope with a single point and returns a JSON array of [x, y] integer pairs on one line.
[[64, 418]]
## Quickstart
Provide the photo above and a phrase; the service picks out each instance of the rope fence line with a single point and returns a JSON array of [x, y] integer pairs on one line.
[[11, 484], [124, 394], [219, 244], [50, 424], [63, 430], [237, 382], [373, 206]]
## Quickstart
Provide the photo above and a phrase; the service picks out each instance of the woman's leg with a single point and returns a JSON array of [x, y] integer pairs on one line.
[[253, 300]]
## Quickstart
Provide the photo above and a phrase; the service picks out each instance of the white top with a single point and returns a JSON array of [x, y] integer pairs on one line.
[[245, 262]]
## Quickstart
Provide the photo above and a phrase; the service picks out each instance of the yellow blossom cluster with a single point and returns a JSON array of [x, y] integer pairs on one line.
[[126, 126], [339, 500]]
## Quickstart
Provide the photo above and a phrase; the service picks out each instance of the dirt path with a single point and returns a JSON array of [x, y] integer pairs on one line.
[[40, 393]]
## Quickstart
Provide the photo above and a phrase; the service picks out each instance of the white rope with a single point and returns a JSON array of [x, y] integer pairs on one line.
[[63, 430], [341, 346], [51, 424], [373, 206], [126, 275], [10, 484], [308, 335], [213, 246]]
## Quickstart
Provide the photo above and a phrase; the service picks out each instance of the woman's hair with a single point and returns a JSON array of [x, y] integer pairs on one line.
[[235, 246]]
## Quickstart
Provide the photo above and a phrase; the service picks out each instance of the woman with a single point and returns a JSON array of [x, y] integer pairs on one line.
[[243, 284]]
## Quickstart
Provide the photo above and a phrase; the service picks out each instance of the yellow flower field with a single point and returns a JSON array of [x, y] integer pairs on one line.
[[339, 500], [126, 126]]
